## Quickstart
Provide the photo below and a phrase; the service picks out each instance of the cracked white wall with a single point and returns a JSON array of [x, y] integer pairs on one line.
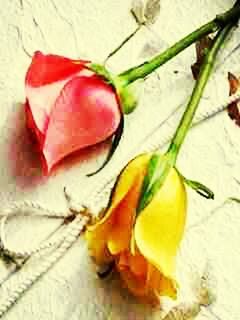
[[91, 29]]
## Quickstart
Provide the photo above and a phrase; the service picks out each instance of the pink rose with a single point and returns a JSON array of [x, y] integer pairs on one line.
[[68, 107]]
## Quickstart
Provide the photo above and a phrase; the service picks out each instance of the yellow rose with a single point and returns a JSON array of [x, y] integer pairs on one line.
[[143, 246]]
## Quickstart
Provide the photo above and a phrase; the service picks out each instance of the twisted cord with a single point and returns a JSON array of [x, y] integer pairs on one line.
[[13, 210], [20, 263], [27, 253], [74, 229], [14, 207]]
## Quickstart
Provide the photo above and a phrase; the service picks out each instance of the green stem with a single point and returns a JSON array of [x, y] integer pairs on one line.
[[201, 82], [148, 67], [159, 166]]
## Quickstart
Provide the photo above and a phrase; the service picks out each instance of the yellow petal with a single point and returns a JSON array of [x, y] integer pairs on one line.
[[124, 216], [134, 281], [142, 280], [159, 284], [128, 176], [159, 227], [98, 234], [135, 284], [97, 239], [137, 264]]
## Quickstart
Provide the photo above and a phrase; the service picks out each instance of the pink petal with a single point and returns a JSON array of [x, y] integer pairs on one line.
[[45, 79], [85, 113], [45, 69], [31, 124]]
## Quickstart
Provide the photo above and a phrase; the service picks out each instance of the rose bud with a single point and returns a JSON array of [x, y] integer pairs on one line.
[[68, 106], [142, 245]]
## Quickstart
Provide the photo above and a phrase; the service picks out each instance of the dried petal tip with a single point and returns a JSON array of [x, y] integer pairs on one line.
[[145, 11], [202, 47], [205, 287], [234, 108]]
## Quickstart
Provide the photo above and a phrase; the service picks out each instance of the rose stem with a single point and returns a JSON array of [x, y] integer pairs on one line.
[[148, 67], [201, 82], [152, 183]]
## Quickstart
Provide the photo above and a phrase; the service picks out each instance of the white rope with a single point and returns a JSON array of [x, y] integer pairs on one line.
[[27, 253], [74, 229], [13, 210], [14, 207]]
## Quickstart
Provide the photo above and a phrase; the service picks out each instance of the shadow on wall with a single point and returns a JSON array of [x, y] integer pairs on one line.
[[24, 161], [24, 158]]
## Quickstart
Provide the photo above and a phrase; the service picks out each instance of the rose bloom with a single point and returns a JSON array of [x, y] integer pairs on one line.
[[142, 246], [68, 107]]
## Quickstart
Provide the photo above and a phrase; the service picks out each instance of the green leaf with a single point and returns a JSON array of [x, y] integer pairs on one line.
[[199, 188]]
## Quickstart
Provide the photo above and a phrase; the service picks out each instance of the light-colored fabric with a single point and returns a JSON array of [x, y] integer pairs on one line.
[[91, 29]]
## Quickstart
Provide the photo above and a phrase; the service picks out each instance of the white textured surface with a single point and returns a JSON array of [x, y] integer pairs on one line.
[[91, 29]]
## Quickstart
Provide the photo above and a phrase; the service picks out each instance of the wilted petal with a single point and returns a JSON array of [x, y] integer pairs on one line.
[[152, 11], [202, 47], [145, 11], [85, 113], [159, 227], [234, 108]]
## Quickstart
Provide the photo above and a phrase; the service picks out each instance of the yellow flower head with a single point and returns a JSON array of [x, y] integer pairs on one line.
[[143, 246]]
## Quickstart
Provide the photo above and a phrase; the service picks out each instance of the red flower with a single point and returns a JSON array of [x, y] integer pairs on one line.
[[68, 107]]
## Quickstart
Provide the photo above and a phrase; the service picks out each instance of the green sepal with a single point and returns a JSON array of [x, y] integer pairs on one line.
[[101, 71], [158, 168], [199, 188], [129, 96], [114, 144], [152, 165]]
